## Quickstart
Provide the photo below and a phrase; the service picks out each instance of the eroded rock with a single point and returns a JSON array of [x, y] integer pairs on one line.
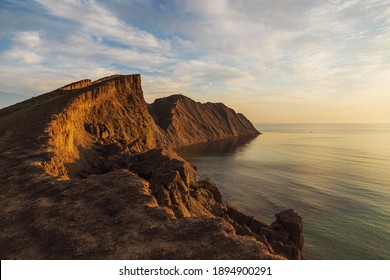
[[88, 173]]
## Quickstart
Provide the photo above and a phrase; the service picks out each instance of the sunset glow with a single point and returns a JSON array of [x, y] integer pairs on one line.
[[274, 61]]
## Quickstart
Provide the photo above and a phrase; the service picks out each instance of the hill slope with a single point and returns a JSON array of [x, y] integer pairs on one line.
[[88, 172], [186, 122]]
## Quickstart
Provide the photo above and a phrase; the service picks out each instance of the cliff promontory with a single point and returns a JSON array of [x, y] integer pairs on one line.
[[89, 171], [186, 122]]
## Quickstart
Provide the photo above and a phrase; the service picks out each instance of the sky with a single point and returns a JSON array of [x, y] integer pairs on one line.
[[275, 61]]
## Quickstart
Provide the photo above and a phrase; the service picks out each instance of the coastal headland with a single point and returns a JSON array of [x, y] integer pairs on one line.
[[89, 171]]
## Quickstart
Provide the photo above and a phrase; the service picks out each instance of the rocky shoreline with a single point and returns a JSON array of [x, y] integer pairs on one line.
[[90, 172]]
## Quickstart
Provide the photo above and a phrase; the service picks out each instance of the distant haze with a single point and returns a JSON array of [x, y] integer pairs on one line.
[[274, 61]]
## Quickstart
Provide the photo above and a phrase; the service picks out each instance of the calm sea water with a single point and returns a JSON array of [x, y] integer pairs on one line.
[[336, 176]]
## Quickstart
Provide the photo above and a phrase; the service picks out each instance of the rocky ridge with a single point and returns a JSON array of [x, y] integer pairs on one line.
[[89, 172], [185, 122]]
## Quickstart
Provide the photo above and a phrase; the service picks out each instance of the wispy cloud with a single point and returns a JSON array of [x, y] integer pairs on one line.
[[94, 18], [243, 53]]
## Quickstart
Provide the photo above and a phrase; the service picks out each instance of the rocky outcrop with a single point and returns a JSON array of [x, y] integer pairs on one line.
[[88, 171], [77, 85], [187, 122], [111, 113], [284, 235]]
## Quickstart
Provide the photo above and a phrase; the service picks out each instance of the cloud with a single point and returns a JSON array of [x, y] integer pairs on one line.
[[27, 56], [25, 45], [243, 53], [30, 39], [98, 20]]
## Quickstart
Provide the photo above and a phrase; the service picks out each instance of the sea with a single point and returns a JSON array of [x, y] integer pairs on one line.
[[336, 176]]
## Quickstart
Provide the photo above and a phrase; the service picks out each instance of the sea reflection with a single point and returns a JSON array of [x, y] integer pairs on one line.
[[221, 148]]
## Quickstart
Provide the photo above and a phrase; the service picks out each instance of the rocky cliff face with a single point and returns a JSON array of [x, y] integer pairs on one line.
[[187, 122], [110, 113], [88, 172]]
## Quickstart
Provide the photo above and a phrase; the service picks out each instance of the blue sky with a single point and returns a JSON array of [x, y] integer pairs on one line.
[[274, 61]]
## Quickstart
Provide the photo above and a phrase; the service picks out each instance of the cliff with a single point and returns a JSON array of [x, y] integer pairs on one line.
[[88, 172], [187, 122]]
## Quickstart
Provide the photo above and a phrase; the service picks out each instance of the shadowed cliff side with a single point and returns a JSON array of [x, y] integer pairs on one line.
[[87, 173], [187, 122]]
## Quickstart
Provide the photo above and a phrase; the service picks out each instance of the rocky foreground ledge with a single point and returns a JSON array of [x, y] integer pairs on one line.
[[89, 172]]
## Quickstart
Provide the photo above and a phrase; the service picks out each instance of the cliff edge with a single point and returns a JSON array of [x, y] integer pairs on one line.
[[89, 172]]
